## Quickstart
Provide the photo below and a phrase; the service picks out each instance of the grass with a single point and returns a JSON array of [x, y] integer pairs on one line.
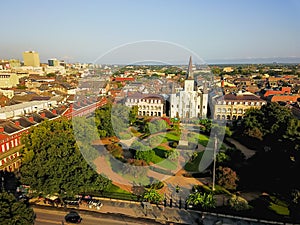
[[116, 189], [157, 159], [278, 206], [192, 166], [138, 180], [279, 209], [198, 139], [172, 136], [168, 164]]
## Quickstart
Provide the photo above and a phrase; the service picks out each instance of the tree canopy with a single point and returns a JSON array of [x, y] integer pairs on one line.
[[275, 133], [52, 162], [14, 212]]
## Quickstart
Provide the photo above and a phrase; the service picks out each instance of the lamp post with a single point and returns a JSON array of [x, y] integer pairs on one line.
[[214, 165]]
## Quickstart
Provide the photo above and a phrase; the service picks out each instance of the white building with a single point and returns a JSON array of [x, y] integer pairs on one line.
[[8, 80], [7, 93], [189, 102], [21, 109], [148, 104]]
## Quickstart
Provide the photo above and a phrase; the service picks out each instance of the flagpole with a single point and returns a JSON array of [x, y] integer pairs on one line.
[[214, 165]]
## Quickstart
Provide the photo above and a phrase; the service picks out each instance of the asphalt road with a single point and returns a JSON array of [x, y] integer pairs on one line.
[[48, 217]]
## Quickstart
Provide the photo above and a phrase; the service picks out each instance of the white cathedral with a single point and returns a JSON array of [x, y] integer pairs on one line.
[[190, 102]]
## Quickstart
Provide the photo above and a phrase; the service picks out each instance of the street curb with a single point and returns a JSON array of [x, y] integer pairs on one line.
[[107, 214]]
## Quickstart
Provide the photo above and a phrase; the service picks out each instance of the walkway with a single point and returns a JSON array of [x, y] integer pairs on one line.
[[247, 151]]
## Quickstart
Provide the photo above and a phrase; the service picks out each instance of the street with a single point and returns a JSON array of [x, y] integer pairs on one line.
[[50, 216]]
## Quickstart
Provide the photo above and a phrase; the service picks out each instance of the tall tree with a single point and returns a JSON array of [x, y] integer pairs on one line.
[[14, 212], [52, 162]]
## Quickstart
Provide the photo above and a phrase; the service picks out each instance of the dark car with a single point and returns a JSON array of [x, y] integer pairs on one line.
[[73, 217]]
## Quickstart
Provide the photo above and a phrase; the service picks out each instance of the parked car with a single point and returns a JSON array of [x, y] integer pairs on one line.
[[95, 203], [72, 201], [73, 217]]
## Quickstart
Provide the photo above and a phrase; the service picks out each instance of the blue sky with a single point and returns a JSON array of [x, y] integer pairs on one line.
[[215, 30]]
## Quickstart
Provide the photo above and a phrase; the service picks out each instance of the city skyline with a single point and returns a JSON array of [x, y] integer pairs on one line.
[[219, 32]]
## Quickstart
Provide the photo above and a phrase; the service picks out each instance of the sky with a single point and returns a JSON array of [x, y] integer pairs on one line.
[[214, 30]]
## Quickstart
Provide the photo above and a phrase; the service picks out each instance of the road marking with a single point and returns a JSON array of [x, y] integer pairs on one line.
[[47, 221]]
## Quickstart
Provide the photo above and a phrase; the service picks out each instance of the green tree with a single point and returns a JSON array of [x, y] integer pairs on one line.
[[133, 114], [52, 162], [14, 212], [103, 121], [85, 132], [274, 125]]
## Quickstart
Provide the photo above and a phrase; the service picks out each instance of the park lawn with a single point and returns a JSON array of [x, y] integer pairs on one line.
[[161, 161], [172, 136], [116, 189], [139, 179], [192, 166], [168, 164], [157, 159], [162, 138], [279, 206], [200, 138], [279, 209]]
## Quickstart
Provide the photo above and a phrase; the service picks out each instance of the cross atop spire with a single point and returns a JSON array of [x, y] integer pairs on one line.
[[190, 75]]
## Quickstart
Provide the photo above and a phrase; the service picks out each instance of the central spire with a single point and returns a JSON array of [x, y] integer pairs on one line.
[[190, 75]]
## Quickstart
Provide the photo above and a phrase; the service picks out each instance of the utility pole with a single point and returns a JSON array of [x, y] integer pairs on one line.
[[214, 165]]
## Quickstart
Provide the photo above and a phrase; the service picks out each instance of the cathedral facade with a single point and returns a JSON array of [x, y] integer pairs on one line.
[[190, 102]]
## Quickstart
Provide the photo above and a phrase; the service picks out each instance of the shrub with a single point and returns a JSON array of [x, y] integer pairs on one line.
[[227, 178], [115, 149], [145, 155], [151, 195], [171, 154], [157, 185], [238, 203]]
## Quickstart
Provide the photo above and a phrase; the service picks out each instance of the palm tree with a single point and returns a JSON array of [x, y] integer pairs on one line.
[[202, 200]]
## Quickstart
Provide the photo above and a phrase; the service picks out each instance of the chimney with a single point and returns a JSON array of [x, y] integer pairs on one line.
[[17, 123], [54, 111], [222, 83], [31, 119], [1, 129], [43, 115]]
